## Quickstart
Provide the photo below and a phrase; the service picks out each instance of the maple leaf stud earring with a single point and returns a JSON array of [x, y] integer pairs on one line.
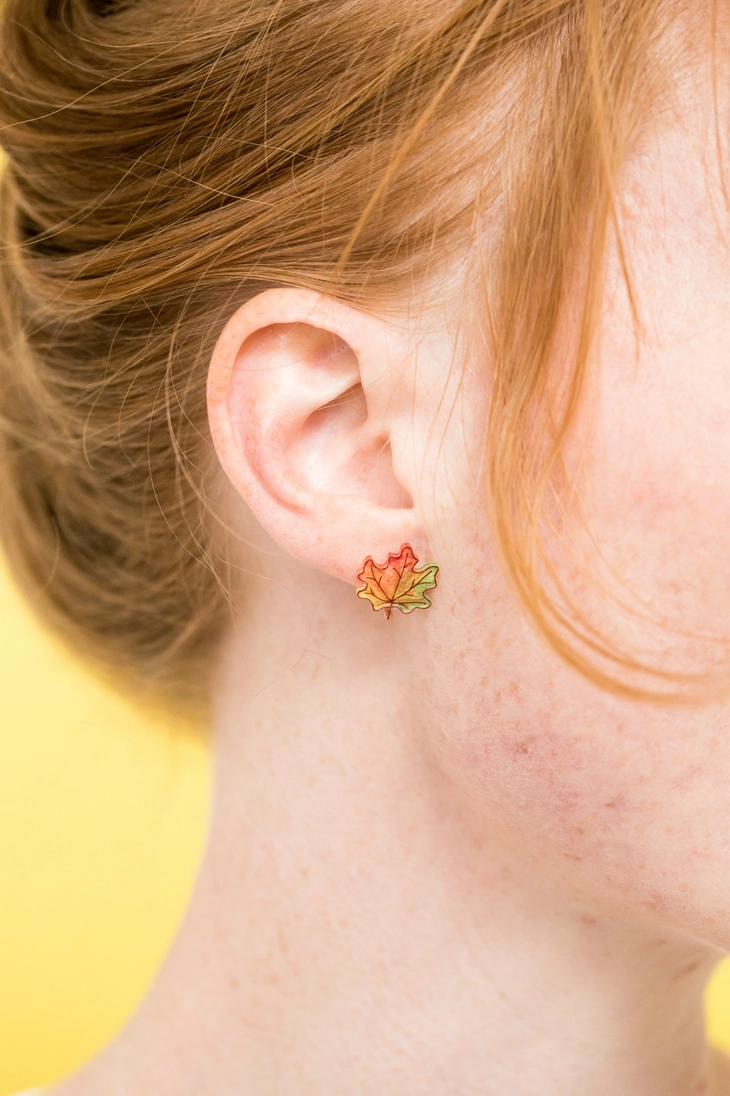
[[397, 582]]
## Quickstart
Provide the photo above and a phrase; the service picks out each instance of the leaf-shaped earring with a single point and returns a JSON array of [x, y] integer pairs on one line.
[[397, 582]]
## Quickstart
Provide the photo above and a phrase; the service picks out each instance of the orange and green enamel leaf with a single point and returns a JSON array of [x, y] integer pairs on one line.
[[397, 582]]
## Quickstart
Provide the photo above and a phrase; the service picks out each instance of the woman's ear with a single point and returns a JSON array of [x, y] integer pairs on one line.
[[305, 398]]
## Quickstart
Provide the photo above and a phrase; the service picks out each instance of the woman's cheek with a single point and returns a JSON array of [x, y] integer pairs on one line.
[[618, 803]]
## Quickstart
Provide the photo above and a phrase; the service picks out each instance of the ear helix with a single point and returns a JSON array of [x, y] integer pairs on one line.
[[396, 582]]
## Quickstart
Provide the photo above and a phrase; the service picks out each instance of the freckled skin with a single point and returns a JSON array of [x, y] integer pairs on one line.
[[635, 796]]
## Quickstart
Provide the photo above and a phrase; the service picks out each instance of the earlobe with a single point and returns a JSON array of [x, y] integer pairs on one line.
[[302, 402]]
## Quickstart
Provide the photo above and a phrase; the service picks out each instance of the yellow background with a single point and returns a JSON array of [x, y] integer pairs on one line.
[[102, 822]]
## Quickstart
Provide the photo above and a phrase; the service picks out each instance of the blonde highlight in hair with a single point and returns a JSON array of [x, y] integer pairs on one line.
[[168, 159]]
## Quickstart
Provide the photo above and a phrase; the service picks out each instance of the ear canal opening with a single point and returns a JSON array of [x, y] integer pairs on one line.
[[329, 457], [400, 497]]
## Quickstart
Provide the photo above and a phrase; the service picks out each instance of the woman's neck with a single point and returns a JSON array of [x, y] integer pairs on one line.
[[356, 927]]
